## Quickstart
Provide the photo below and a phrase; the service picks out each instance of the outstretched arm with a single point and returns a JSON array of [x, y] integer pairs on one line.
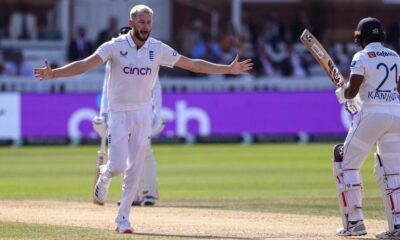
[[202, 66], [70, 69]]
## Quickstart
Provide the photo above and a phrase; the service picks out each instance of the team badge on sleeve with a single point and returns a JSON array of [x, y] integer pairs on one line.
[[371, 54], [353, 63]]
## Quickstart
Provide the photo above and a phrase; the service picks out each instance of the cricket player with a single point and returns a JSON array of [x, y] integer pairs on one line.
[[374, 82], [147, 193], [135, 59]]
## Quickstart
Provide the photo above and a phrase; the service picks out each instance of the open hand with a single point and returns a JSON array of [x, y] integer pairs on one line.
[[44, 73], [242, 67]]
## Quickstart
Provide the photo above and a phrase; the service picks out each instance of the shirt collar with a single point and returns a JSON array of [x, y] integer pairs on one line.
[[132, 43], [373, 45]]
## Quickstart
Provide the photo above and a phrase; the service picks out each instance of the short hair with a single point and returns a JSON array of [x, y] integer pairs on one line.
[[124, 30], [140, 8]]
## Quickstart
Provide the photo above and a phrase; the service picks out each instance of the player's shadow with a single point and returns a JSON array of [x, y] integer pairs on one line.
[[362, 238], [175, 236]]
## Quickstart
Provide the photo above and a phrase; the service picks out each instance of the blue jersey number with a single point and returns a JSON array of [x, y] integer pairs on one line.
[[387, 70]]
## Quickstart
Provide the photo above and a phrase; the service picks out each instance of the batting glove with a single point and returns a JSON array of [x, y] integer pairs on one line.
[[340, 95], [352, 106], [100, 126]]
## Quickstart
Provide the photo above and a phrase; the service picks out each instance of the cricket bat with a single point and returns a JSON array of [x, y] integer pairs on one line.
[[100, 126], [322, 57], [101, 159]]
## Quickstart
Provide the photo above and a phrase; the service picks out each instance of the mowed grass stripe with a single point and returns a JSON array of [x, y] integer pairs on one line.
[[283, 176], [25, 231]]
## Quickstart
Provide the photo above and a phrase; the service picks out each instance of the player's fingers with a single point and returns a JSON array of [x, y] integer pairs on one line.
[[247, 69], [247, 66], [38, 73], [46, 63], [246, 61], [40, 76]]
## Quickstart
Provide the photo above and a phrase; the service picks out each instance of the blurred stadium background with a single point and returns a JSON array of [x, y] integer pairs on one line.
[[287, 98]]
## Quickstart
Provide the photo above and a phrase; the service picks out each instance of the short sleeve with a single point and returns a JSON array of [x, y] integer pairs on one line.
[[356, 66], [105, 51], [168, 56]]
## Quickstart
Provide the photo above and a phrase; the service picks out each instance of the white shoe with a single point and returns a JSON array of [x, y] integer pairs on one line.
[[124, 226], [101, 191], [388, 235], [353, 229]]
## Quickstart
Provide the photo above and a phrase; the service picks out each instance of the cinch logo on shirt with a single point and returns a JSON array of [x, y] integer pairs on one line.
[[137, 71]]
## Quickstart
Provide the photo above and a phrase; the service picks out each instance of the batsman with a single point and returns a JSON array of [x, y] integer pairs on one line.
[[374, 82]]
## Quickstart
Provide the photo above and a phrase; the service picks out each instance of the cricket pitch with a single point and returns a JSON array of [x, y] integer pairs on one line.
[[181, 222]]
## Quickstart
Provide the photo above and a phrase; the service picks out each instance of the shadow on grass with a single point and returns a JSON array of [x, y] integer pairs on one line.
[[372, 207], [175, 236], [12, 230]]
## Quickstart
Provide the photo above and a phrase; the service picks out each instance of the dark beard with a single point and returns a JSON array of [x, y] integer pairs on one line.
[[137, 35]]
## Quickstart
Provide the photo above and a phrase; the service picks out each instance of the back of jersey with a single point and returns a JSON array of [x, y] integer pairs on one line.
[[380, 67]]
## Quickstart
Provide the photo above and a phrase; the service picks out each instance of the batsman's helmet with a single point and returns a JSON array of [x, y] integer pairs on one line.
[[124, 30], [369, 30]]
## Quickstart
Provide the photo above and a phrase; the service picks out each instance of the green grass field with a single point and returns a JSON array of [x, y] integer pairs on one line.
[[285, 178]]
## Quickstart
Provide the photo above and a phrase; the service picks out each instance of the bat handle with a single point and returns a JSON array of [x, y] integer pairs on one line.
[[103, 144], [340, 83], [101, 158], [102, 152]]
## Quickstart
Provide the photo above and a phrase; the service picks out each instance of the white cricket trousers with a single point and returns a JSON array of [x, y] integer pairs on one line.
[[368, 129], [148, 181], [129, 139]]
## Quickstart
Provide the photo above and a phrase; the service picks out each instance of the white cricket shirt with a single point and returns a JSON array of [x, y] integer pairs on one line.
[[380, 67], [133, 72]]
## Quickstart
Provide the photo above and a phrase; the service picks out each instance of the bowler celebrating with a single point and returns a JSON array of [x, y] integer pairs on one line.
[[135, 59]]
